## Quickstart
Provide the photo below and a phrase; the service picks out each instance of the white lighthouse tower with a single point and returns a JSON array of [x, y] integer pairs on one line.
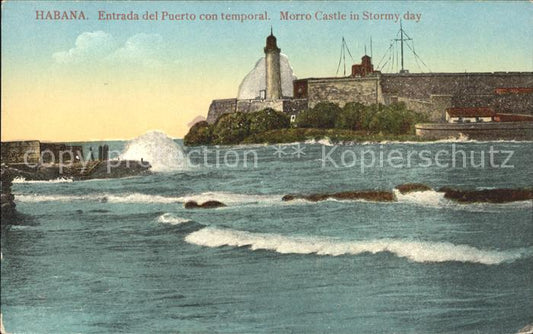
[[273, 72]]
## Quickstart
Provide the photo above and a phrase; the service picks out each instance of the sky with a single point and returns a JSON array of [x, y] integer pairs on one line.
[[77, 80]]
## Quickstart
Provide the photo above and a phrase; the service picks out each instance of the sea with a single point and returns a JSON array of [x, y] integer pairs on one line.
[[125, 256]]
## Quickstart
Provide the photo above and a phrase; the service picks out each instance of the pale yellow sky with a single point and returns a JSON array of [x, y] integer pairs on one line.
[[93, 80], [61, 105]]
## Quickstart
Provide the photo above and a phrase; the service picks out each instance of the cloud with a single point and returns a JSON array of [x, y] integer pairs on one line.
[[100, 47], [89, 46], [141, 49]]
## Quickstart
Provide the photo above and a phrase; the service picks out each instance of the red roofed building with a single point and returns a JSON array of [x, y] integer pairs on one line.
[[361, 70], [469, 115], [513, 90], [513, 118]]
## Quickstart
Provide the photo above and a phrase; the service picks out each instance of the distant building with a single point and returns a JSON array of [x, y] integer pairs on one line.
[[34, 151], [469, 115], [273, 71], [429, 93]]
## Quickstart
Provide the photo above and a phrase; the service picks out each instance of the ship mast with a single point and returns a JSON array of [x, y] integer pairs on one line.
[[342, 58], [401, 39], [404, 37]]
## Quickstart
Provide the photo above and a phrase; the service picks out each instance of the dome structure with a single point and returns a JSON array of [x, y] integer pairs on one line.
[[255, 81]]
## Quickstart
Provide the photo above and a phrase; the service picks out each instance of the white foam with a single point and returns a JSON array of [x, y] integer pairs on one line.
[[435, 199], [35, 198], [140, 198], [112, 198], [224, 197], [230, 198], [20, 179], [159, 150], [417, 251], [429, 198], [460, 140], [326, 141], [169, 218]]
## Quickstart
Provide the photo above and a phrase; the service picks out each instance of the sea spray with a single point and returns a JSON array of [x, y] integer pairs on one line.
[[20, 179], [135, 197], [417, 251], [429, 198], [159, 150], [169, 218]]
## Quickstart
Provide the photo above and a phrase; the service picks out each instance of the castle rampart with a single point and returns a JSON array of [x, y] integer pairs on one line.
[[429, 93], [466, 89]]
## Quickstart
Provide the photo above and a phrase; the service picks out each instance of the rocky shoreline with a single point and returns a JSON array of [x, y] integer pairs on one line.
[[462, 196], [76, 172], [100, 169], [9, 211]]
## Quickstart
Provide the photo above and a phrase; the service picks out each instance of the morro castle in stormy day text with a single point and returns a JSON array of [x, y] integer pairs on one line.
[[502, 101]]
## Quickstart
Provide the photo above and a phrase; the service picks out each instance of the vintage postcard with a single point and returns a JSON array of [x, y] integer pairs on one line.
[[267, 167]]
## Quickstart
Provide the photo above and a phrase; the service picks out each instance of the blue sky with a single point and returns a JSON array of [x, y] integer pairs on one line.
[[206, 60]]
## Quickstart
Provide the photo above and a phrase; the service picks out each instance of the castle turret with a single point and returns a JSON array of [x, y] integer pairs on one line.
[[273, 72]]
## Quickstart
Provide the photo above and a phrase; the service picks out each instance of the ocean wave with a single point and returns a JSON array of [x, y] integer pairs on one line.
[[36, 198], [111, 198], [230, 198], [326, 141], [435, 199], [417, 251], [20, 179], [161, 151], [169, 218], [225, 197], [428, 198], [433, 142]]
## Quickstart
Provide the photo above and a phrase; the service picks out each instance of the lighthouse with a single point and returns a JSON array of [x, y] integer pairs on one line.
[[272, 68]]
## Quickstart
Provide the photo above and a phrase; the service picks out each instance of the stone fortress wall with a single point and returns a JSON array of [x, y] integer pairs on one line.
[[34, 151], [430, 93], [15, 151]]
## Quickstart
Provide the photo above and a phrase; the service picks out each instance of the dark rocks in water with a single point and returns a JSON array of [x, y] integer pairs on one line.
[[487, 195], [205, 205], [80, 171], [100, 211], [7, 200], [111, 169], [289, 197], [367, 195], [412, 187], [191, 205], [8, 210], [461, 196]]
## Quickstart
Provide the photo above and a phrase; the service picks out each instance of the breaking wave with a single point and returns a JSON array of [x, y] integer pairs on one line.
[[116, 198], [225, 197], [435, 199], [159, 150], [169, 218], [231, 198], [20, 179], [430, 198], [326, 141], [417, 251]]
